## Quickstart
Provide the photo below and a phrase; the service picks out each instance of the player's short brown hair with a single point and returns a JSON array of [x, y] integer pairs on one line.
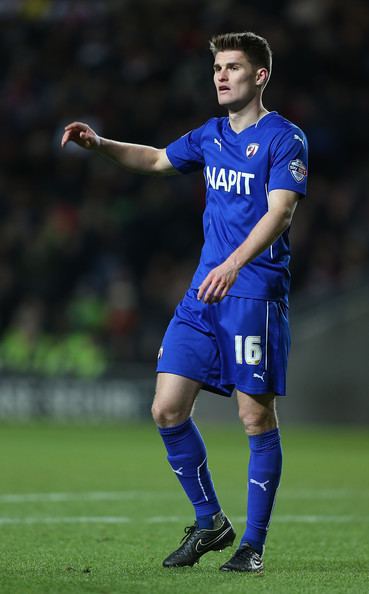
[[255, 47]]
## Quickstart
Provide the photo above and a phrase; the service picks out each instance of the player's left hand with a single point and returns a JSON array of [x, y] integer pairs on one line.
[[217, 283]]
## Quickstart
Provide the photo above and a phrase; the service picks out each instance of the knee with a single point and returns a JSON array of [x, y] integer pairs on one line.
[[166, 415], [256, 422]]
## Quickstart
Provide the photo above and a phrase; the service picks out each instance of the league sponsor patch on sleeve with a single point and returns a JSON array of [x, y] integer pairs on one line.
[[298, 170]]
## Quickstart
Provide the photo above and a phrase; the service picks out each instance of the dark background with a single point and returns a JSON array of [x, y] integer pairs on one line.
[[93, 259]]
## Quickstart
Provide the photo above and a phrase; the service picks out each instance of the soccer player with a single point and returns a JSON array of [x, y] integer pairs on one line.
[[230, 331]]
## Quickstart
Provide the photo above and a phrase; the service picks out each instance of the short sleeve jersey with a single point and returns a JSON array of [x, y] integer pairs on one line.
[[240, 170]]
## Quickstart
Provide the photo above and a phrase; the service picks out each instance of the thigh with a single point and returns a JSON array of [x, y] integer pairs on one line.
[[174, 398]]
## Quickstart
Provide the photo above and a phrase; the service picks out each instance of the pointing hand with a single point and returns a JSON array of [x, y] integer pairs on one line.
[[81, 134]]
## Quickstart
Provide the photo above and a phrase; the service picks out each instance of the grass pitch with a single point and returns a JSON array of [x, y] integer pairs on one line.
[[95, 509]]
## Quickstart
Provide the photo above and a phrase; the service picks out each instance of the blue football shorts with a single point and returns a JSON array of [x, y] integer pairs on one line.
[[237, 343]]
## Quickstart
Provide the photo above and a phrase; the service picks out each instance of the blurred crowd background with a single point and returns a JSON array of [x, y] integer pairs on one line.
[[92, 259]]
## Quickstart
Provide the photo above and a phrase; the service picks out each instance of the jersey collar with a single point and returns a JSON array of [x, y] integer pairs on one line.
[[259, 124]]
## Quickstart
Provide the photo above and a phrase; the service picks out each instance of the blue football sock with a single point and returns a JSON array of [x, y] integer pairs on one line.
[[187, 457], [265, 468]]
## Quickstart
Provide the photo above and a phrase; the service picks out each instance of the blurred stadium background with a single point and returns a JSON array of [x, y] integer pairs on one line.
[[93, 260]]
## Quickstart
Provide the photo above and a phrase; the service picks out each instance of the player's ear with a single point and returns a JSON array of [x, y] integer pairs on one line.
[[262, 76]]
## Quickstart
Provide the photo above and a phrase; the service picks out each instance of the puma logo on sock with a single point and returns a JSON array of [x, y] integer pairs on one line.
[[261, 485]]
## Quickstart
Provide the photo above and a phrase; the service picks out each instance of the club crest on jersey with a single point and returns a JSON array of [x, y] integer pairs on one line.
[[298, 170], [252, 149]]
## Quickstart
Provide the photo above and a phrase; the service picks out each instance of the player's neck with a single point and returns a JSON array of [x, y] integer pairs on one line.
[[247, 116]]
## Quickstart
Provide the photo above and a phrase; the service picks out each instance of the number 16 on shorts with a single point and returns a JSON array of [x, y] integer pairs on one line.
[[248, 349]]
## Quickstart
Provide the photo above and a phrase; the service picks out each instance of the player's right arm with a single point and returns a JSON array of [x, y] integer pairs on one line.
[[136, 157]]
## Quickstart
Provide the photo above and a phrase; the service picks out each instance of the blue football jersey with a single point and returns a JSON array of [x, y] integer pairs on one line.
[[240, 170]]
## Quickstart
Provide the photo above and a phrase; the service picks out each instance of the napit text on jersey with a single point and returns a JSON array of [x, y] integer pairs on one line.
[[228, 180]]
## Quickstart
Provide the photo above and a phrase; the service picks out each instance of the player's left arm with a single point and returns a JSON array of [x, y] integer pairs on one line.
[[282, 205]]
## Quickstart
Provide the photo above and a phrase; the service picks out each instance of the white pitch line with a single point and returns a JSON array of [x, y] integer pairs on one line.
[[68, 520], [309, 519], [84, 496], [169, 494], [314, 494], [281, 519]]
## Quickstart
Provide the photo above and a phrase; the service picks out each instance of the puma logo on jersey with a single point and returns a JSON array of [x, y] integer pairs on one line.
[[259, 376], [228, 180], [218, 142], [297, 137], [261, 485]]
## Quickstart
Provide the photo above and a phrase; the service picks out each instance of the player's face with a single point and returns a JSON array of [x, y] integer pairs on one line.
[[235, 79]]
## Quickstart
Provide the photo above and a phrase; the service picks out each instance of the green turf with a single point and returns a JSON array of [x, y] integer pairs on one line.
[[102, 532]]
